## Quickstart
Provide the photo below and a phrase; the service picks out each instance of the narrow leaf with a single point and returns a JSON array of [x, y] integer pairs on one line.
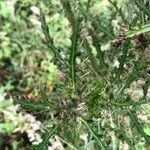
[[73, 52], [74, 39], [137, 31], [34, 105], [100, 143], [46, 138], [142, 7], [91, 56], [49, 39], [123, 58], [100, 54], [45, 29], [138, 126]]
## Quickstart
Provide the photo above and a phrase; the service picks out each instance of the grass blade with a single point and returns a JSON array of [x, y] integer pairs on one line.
[[69, 144], [138, 126], [100, 143]]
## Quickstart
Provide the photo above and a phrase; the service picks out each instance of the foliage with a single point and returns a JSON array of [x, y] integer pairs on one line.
[[137, 31], [83, 72]]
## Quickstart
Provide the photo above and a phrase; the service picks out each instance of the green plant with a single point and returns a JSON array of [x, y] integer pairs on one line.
[[98, 101], [109, 95]]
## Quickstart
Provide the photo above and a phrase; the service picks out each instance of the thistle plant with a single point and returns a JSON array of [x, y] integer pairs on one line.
[[93, 98]]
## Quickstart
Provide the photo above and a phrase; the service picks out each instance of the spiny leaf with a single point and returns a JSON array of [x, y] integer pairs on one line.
[[142, 7], [95, 101], [45, 29], [73, 52], [137, 31], [49, 39], [35, 105], [97, 89], [68, 12], [74, 39]]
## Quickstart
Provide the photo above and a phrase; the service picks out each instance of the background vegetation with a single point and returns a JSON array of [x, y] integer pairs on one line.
[[75, 74]]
